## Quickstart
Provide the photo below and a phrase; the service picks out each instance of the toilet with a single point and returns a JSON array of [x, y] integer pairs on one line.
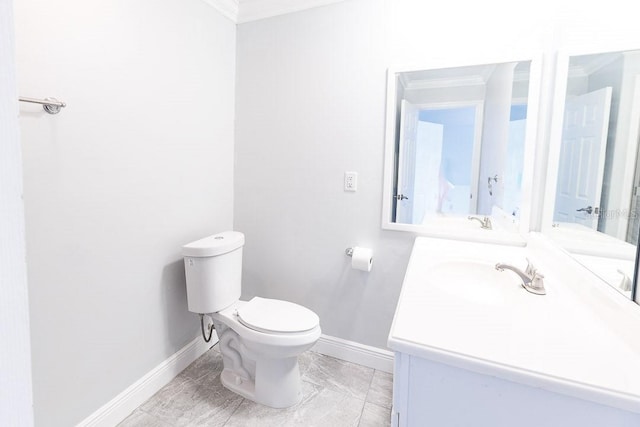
[[260, 340]]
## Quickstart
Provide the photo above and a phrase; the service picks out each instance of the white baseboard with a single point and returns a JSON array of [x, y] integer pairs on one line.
[[119, 408], [354, 352], [116, 410]]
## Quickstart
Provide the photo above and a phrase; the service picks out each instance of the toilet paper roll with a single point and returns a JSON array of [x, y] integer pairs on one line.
[[362, 259]]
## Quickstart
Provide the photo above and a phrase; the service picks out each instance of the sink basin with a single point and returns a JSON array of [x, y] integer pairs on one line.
[[478, 282]]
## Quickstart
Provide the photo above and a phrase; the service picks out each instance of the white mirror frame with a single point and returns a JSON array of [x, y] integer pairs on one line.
[[533, 106], [555, 135]]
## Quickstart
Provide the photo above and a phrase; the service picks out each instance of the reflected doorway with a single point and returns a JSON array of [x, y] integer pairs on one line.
[[459, 154], [440, 160]]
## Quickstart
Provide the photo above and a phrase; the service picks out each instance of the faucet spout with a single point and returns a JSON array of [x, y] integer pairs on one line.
[[525, 278], [531, 279]]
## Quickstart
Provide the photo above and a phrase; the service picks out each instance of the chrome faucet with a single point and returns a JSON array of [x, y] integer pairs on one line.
[[532, 281], [484, 223]]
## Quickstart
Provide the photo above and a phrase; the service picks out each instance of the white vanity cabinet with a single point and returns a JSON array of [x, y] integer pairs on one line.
[[474, 348], [428, 393]]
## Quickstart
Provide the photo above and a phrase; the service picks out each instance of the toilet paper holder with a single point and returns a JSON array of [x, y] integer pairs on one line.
[[361, 258]]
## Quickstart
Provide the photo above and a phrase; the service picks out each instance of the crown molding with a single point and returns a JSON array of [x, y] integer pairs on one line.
[[596, 63], [253, 10], [241, 11], [471, 80], [228, 8]]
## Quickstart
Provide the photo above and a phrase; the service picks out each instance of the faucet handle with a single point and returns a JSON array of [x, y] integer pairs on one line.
[[537, 275], [537, 283], [626, 283], [530, 270]]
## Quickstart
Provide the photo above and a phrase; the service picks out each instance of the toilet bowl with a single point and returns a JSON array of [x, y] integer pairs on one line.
[[260, 340], [261, 358]]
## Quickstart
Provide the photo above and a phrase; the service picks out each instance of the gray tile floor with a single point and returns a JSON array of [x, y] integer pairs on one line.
[[335, 393]]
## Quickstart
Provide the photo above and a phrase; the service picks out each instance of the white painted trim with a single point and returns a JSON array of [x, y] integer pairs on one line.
[[121, 406], [16, 391], [252, 10], [228, 8], [349, 351]]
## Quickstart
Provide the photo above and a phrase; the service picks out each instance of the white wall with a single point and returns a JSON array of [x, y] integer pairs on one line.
[[310, 105], [138, 163], [15, 353]]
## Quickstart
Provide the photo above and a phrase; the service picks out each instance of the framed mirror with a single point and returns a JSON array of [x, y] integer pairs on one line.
[[459, 149], [592, 207]]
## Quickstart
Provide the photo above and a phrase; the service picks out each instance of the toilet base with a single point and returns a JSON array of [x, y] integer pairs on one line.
[[251, 372], [276, 384]]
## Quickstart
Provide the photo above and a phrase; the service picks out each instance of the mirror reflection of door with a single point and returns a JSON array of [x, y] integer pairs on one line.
[[406, 162], [439, 159], [582, 158], [459, 150], [598, 146], [428, 188]]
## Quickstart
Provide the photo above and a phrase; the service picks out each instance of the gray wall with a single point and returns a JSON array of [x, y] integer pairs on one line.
[[138, 163], [310, 106]]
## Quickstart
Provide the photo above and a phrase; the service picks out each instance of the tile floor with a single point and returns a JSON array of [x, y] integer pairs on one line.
[[335, 394]]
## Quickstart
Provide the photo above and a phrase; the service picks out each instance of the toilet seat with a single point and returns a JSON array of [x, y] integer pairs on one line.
[[272, 315]]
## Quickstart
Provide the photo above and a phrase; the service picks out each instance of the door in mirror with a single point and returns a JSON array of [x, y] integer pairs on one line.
[[456, 144]]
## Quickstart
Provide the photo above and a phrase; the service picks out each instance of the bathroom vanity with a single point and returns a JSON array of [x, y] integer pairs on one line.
[[474, 348]]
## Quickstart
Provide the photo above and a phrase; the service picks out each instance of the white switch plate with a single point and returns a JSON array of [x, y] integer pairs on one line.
[[350, 181]]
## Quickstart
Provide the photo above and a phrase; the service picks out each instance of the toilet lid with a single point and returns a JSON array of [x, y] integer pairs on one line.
[[272, 315]]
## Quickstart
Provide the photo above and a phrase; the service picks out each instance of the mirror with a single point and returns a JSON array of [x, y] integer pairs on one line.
[[456, 142], [593, 211]]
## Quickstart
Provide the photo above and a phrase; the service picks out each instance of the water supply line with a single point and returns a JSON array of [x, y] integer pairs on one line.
[[211, 327]]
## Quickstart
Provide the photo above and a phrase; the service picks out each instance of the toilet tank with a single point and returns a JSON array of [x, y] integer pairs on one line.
[[213, 269]]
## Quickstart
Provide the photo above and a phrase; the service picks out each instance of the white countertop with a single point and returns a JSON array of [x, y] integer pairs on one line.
[[554, 342]]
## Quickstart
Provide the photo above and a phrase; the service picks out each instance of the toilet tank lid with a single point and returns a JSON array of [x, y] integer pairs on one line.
[[218, 244]]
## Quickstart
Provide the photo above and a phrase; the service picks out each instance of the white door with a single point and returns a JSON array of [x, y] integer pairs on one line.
[[427, 191], [406, 162], [582, 154]]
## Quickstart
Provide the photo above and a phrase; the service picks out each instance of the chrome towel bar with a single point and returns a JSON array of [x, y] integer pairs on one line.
[[50, 105]]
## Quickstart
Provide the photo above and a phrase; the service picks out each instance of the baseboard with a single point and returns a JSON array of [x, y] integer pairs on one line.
[[116, 410], [354, 352]]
